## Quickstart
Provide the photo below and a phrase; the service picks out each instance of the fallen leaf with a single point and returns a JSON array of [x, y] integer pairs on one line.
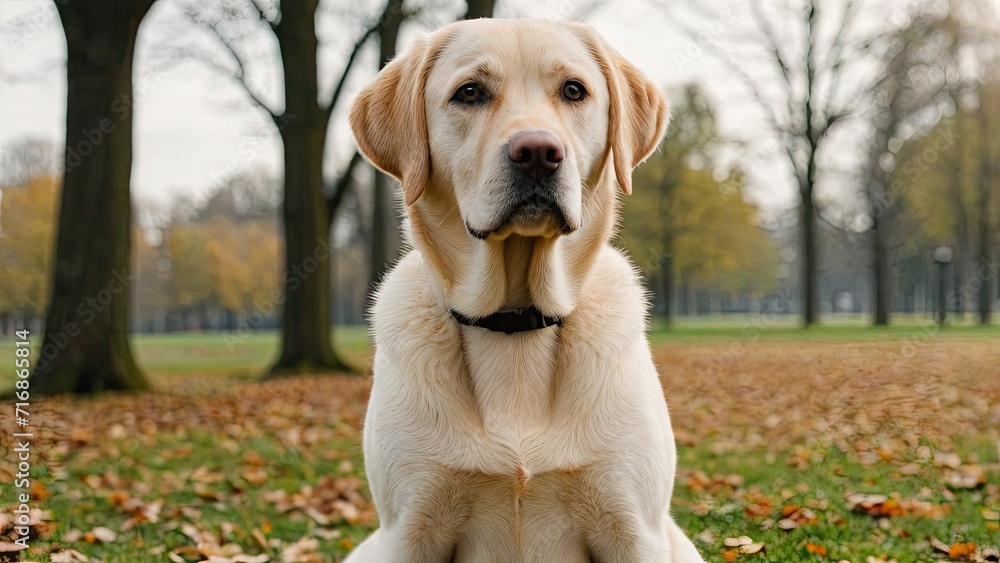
[[11, 547], [938, 545], [68, 556], [104, 535], [966, 477], [736, 542], [963, 550], [787, 524], [815, 548], [302, 551], [947, 459], [753, 548]]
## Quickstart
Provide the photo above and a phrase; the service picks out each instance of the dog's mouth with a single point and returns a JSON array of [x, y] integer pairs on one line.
[[531, 212]]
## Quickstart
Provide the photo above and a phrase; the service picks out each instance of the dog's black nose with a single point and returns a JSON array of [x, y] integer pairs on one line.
[[536, 153]]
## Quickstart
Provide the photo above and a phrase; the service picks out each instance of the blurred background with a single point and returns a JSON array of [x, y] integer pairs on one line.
[[183, 210], [817, 158]]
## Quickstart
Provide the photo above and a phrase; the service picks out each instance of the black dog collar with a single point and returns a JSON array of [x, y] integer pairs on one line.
[[511, 320]]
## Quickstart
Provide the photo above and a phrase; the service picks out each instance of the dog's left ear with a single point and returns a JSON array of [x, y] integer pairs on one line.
[[389, 121], [639, 114]]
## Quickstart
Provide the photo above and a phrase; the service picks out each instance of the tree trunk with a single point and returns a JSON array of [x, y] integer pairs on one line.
[[882, 294], [961, 239], [85, 348], [479, 9], [808, 263], [808, 181], [667, 282], [385, 222], [383, 233], [986, 167], [305, 337]]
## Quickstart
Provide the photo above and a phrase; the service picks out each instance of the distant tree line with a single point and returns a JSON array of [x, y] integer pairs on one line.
[[920, 87]]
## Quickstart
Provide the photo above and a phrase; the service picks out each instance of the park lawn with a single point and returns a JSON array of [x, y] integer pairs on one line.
[[775, 433]]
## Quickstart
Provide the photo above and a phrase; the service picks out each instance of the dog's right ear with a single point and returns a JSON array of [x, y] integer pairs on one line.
[[390, 124]]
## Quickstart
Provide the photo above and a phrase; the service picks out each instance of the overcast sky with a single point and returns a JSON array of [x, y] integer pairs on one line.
[[192, 123]]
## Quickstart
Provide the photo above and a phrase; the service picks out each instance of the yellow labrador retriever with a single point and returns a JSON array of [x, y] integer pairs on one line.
[[516, 414]]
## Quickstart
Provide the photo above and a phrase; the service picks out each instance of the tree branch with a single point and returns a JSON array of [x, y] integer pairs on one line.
[[240, 74], [358, 45], [341, 186], [339, 89], [741, 74], [836, 57], [771, 44]]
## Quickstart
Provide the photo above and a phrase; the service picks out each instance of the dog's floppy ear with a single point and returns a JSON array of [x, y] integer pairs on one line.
[[389, 122], [638, 115]]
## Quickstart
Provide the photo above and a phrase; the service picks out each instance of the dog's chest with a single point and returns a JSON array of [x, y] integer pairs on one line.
[[512, 378]]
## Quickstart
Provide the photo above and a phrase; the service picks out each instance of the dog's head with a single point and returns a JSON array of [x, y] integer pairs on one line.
[[516, 120]]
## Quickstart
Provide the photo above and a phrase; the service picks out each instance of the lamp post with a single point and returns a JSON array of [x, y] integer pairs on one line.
[[942, 255]]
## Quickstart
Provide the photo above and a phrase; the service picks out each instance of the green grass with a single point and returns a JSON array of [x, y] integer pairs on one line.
[[782, 328], [769, 481], [224, 354], [231, 509], [207, 353], [162, 465]]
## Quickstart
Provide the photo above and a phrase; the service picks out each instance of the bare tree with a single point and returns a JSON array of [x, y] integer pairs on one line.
[[85, 348], [973, 58], [794, 65], [989, 169], [309, 204], [908, 85]]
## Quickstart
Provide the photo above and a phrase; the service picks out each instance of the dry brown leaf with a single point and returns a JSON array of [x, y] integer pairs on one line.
[[966, 477], [787, 524], [302, 551], [104, 535], [11, 547], [938, 545], [947, 459], [753, 548], [736, 542], [816, 549], [68, 556]]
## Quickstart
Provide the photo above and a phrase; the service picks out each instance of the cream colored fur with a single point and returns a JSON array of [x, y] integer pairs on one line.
[[552, 445]]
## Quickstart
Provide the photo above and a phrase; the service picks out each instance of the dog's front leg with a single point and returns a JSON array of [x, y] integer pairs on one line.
[[423, 514], [416, 545]]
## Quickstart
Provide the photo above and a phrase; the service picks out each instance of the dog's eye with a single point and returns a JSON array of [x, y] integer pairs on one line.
[[573, 91], [469, 94]]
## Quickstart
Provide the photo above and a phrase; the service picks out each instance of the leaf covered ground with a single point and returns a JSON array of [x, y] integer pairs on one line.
[[866, 450]]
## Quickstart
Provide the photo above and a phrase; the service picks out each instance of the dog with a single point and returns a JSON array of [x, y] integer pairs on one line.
[[515, 414]]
